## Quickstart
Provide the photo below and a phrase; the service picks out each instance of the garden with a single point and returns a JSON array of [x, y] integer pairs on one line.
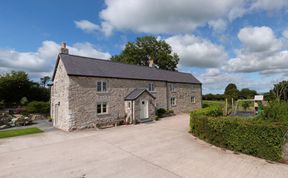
[[264, 135]]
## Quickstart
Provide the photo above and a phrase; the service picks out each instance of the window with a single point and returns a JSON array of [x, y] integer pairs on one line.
[[102, 108], [193, 99], [172, 87], [101, 86], [173, 101], [151, 87]]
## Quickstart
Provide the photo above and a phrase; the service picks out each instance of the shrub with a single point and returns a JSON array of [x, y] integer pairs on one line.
[[213, 110], [38, 107], [276, 111], [160, 112], [256, 137]]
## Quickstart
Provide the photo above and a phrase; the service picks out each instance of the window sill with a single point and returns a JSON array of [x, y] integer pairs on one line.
[[103, 114]]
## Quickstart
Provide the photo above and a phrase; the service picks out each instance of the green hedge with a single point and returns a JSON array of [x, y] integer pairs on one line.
[[213, 110], [256, 137]]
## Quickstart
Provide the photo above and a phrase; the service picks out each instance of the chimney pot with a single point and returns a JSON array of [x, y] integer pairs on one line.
[[63, 49], [151, 62]]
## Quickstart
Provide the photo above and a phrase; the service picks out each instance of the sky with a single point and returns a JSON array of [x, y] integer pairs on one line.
[[219, 41]]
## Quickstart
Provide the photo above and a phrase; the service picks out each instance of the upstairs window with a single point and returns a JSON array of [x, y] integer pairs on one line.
[[172, 87], [151, 87], [173, 101], [193, 99], [102, 108], [101, 86]]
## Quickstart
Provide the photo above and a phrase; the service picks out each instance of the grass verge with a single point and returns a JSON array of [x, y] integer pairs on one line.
[[18, 132]]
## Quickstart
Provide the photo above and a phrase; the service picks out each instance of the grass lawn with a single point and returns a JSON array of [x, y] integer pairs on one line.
[[18, 132]]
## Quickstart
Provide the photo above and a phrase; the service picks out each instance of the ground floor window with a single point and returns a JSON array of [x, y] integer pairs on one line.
[[102, 108], [193, 99], [173, 101]]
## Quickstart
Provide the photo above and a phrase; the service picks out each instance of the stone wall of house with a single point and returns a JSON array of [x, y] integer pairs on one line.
[[59, 99], [183, 94], [83, 98]]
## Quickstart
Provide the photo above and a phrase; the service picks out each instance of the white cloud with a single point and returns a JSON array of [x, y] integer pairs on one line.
[[42, 61], [259, 39], [285, 34], [262, 52], [196, 52], [86, 26], [218, 25], [170, 16], [269, 4]]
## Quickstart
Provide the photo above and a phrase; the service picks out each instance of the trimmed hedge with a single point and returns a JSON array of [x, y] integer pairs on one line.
[[256, 137], [213, 110]]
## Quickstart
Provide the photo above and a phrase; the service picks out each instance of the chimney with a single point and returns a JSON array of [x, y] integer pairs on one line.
[[151, 62], [63, 49]]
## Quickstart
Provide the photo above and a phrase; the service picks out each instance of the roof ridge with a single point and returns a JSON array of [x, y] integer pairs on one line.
[[108, 60]]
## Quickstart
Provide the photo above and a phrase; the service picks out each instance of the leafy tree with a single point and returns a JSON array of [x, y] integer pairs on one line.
[[213, 97], [14, 86], [231, 91], [246, 93], [148, 47], [281, 91], [246, 105], [44, 80]]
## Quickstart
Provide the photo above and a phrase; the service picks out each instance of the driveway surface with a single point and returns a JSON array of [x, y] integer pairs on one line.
[[160, 149]]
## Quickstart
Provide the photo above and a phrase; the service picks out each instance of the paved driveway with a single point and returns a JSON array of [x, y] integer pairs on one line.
[[161, 149]]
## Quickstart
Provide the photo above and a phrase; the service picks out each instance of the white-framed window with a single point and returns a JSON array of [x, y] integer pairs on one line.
[[151, 87], [101, 86], [172, 87], [193, 99], [173, 101], [102, 108]]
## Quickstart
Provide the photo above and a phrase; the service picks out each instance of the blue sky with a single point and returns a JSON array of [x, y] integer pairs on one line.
[[239, 41]]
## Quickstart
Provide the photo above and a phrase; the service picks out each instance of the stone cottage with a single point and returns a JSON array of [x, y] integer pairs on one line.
[[88, 91]]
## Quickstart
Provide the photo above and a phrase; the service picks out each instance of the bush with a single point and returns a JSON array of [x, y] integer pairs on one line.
[[256, 137], [276, 111], [160, 112], [38, 107], [212, 110]]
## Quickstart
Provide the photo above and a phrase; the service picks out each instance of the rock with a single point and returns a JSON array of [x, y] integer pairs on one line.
[[4, 126], [5, 118], [38, 117]]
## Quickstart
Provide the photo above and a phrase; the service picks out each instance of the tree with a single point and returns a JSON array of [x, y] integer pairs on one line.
[[148, 47], [44, 80], [14, 86], [281, 91], [246, 93], [231, 91]]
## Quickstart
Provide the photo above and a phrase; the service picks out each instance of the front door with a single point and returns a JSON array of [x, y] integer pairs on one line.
[[144, 109]]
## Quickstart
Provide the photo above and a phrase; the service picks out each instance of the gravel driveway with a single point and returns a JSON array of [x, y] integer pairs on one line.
[[160, 149]]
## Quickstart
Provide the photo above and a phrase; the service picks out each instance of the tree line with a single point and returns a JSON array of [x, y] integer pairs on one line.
[[16, 88]]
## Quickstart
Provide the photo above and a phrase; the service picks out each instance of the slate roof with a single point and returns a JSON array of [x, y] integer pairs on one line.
[[91, 67], [136, 93]]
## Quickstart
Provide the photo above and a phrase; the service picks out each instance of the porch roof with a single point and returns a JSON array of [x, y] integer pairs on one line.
[[136, 93]]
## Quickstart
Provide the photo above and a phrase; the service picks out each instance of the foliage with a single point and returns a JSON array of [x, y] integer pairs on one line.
[[24, 101], [160, 112], [246, 105], [148, 47], [246, 93], [214, 97], [281, 91], [256, 137], [16, 85], [276, 111], [38, 107], [18, 132], [213, 110], [231, 91], [2, 104], [44, 81]]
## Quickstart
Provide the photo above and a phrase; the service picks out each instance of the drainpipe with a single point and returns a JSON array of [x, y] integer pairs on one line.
[[167, 96]]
